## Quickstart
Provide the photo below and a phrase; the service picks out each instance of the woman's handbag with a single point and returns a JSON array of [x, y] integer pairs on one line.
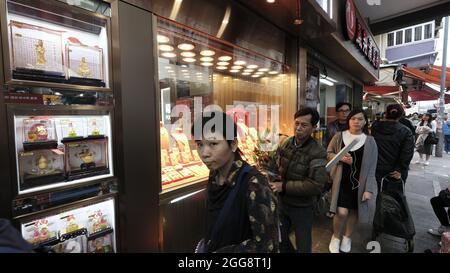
[[432, 139]]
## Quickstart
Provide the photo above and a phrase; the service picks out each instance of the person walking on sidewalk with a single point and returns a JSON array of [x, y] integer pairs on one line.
[[395, 144], [300, 162], [446, 130], [241, 208], [439, 203], [354, 180], [423, 130], [342, 110]]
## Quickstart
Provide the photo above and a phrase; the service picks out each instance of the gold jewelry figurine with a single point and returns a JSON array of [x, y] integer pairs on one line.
[[40, 52], [84, 70]]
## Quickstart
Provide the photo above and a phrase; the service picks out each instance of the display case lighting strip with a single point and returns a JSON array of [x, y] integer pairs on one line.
[[185, 196]]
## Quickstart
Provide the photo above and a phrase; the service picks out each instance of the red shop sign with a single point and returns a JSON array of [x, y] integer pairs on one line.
[[358, 34]]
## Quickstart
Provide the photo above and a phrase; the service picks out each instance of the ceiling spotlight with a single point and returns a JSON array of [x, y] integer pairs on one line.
[[270, 1], [225, 58], [189, 60], [165, 48], [221, 67], [273, 72], [187, 54], [234, 71], [206, 59], [239, 62], [162, 39], [168, 55], [246, 73], [236, 67], [223, 63], [207, 53], [207, 64], [185, 46], [248, 70], [252, 66], [263, 69], [255, 76]]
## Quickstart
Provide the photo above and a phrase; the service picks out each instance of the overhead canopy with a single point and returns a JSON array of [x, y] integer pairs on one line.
[[426, 94], [386, 16], [382, 90], [432, 77]]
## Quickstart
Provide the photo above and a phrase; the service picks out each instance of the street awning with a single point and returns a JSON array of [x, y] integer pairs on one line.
[[431, 77], [426, 94], [382, 90]]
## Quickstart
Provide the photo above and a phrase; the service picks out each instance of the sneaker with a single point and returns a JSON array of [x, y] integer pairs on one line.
[[438, 231], [426, 163], [346, 244], [418, 161], [334, 245]]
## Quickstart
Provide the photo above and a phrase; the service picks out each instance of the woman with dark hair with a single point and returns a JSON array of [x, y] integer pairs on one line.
[[395, 144], [353, 179], [241, 208], [423, 130]]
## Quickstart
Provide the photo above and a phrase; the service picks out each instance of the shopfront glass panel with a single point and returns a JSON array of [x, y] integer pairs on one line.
[[197, 71]]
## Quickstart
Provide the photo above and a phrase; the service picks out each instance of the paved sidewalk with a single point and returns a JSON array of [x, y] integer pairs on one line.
[[424, 182]]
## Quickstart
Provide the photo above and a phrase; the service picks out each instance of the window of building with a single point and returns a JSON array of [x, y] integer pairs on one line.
[[428, 31], [408, 35], [418, 33], [399, 38], [391, 39]]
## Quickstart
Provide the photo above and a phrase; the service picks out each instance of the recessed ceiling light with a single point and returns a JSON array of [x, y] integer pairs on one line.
[[246, 73], [221, 67], [225, 58], [273, 72], [207, 53], [185, 46], [239, 62], [270, 1], [189, 60], [263, 69], [207, 64], [236, 67], [259, 73], [162, 39], [248, 70], [168, 54], [165, 47], [184, 70], [206, 59], [187, 54], [252, 66], [223, 63], [255, 76], [199, 73], [234, 71]]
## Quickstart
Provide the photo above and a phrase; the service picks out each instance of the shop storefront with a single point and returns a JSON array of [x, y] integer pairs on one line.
[[340, 63]]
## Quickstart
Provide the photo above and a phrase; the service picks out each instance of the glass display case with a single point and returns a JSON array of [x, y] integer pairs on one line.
[[52, 42], [88, 228], [85, 158], [198, 71], [55, 150], [39, 133], [40, 167]]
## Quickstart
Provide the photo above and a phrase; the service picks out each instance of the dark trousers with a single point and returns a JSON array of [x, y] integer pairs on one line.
[[301, 220], [447, 143], [439, 209]]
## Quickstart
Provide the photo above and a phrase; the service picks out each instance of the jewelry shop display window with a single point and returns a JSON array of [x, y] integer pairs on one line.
[[197, 71]]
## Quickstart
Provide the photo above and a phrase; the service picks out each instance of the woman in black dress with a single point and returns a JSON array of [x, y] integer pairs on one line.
[[353, 179]]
